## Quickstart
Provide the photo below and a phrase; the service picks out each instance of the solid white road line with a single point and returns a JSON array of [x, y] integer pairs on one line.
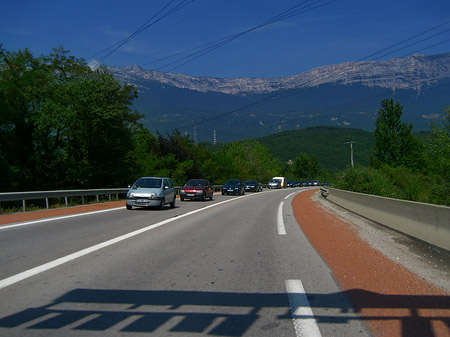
[[280, 222], [287, 197], [58, 218], [302, 315], [47, 266]]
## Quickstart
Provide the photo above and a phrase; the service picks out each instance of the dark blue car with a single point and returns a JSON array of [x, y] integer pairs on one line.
[[233, 186]]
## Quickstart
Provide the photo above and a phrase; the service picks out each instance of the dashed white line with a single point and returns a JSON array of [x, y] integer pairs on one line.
[[302, 315], [280, 222]]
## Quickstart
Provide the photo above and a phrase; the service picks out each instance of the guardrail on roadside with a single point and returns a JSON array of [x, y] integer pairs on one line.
[[40, 195], [427, 222], [324, 191]]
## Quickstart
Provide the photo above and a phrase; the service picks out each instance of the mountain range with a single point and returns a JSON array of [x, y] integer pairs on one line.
[[347, 94]]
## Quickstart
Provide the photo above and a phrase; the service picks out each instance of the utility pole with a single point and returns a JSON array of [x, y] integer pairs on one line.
[[351, 150]]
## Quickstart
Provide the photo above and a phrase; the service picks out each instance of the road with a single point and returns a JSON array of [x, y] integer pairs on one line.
[[234, 266]]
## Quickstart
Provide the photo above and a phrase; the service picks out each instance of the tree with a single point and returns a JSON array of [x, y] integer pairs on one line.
[[306, 167], [438, 158], [395, 145], [65, 125], [249, 159]]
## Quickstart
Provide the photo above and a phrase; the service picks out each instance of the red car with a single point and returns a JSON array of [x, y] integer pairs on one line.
[[200, 189]]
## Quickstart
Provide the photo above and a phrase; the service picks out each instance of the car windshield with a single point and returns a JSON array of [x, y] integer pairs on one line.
[[232, 182], [195, 182], [250, 182], [148, 183]]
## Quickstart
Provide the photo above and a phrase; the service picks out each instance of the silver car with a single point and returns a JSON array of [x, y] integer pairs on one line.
[[274, 183], [151, 192]]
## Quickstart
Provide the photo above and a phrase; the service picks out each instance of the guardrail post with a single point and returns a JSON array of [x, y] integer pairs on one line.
[[96, 197], [65, 200], [82, 199], [46, 203], [23, 205]]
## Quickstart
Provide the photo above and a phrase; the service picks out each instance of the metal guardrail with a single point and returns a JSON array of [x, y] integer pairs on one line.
[[40, 195], [324, 191], [36, 195]]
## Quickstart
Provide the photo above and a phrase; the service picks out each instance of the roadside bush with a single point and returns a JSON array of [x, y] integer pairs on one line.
[[394, 182]]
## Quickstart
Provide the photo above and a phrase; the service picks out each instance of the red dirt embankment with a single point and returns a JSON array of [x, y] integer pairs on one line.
[[392, 300]]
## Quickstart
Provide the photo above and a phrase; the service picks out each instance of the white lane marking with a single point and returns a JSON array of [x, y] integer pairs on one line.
[[58, 218], [47, 266], [280, 222], [302, 315], [287, 197]]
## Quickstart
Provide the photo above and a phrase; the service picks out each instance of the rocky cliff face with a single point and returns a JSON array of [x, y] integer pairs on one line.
[[413, 72]]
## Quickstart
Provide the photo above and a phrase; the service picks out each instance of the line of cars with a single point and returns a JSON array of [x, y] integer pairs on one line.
[[160, 191], [239, 187]]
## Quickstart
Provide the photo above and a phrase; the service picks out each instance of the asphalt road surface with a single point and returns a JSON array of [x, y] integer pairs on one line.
[[234, 266]]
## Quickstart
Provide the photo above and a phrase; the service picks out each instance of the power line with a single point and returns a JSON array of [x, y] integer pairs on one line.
[[159, 16], [403, 41], [280, 95], [206, 48]]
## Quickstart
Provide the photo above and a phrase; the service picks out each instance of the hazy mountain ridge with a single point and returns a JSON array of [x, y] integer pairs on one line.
[[412, 72], [347, 94]]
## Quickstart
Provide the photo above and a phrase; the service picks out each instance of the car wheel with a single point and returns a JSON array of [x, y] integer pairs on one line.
[[181, 199], [129, 207], [203, 198], [163, 202], [172, 204], [211, 196]]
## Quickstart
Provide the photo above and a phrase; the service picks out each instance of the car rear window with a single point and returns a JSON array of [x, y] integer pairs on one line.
[[232, 182], [195, 183], [148, 183]]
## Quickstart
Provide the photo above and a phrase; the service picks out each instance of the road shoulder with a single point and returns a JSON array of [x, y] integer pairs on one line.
[[393, 294]]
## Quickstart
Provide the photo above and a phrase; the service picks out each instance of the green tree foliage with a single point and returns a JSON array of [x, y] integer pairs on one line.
[[439, 147], [306, 167], [65, 125], [395, 145], [438, 158], [248, 159], [402, 168], [393, 182]]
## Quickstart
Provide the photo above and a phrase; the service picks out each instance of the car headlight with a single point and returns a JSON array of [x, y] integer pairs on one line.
[[131, 195]]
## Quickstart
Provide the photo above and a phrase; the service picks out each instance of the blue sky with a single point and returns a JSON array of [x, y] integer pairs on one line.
[[337, 31]]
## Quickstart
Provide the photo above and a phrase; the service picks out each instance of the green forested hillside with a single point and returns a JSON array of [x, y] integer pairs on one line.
[[328, 143]]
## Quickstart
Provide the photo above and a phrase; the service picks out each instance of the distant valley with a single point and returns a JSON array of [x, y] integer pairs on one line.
[[346, 95]]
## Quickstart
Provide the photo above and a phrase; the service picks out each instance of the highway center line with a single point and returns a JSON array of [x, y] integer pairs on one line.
[[49, 265], [280, 222], [302, 315]]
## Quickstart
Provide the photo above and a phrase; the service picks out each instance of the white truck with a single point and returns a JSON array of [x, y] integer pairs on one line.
[[282, 181]]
